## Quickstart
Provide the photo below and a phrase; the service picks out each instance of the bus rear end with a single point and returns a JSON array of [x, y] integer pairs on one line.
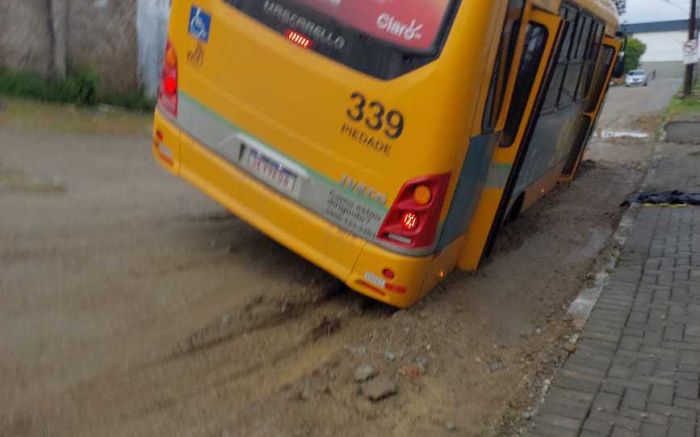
[[331, 126]]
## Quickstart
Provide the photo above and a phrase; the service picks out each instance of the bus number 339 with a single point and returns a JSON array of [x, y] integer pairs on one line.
[[375, 116]]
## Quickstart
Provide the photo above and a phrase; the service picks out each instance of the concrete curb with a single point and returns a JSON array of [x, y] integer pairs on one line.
[[581, 308]]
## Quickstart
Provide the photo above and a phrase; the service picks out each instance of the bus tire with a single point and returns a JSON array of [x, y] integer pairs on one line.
[[516, 209]]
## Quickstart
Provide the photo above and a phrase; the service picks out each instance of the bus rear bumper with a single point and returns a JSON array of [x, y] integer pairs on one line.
[[394, 279]]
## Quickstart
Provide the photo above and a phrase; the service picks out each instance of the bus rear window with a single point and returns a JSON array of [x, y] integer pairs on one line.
[[412, 24], [382, 38]]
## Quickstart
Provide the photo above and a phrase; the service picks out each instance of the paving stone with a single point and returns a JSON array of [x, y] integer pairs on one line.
[[653, 430], [577, 384], [687, 390], [687, 403], [635, 399], [682, 427], [617, 420], [573, 411], [560, 421], [661, 394], [547, 430], [685, 413], [601, 427], [623, 432], [607, 401], [643, 336]]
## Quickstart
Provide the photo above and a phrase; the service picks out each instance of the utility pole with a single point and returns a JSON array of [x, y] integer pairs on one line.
[[692, 35]]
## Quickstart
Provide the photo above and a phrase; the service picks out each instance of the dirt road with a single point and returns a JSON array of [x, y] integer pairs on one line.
[[130, 304]]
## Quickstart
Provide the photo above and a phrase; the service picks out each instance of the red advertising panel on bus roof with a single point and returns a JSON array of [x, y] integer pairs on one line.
[[414, 24]]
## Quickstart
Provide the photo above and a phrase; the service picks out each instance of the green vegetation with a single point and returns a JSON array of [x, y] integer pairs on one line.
[[633, 53], [79, 87], [680, 105]]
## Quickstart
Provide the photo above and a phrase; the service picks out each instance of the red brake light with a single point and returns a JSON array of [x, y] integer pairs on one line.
[[170, 85], [413, 219], [409, 220], [298, 38], [167, 94]]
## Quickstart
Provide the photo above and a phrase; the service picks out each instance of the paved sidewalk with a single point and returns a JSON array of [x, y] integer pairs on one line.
[[636, 369]]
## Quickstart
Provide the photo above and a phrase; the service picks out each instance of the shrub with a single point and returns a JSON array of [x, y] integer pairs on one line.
[[79, 87]]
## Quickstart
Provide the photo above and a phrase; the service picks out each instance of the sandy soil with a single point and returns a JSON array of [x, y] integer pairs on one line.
[[130, 304]]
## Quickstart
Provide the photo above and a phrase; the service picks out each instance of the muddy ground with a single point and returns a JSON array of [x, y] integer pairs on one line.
[[130, 304]]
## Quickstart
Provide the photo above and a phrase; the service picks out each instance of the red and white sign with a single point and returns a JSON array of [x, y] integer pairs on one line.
[[413, 24], [690, 52]]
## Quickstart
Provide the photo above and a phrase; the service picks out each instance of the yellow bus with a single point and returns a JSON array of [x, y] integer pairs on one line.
[[385, 141]]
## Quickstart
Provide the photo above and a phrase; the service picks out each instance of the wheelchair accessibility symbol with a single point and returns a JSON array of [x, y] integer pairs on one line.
[[200, 23]]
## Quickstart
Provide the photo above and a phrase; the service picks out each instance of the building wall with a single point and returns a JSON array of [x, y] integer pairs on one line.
[[102, 36], [24, 35], [663, 46], [664, 53], [99, 34], [672, 69]]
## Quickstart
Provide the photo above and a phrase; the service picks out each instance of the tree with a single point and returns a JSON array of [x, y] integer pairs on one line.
[[633, 53], [621, 6]]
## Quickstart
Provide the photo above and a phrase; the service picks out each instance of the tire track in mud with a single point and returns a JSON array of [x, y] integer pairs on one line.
[[237, 359]]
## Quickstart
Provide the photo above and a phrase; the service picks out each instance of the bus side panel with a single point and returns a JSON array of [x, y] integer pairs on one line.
[[562, 129], [505, 159]]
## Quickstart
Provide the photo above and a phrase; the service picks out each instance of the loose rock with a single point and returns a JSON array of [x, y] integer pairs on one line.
[[305, 395], [496, 366], [421, 363], [380, 388], [411, 371], [365, 373]]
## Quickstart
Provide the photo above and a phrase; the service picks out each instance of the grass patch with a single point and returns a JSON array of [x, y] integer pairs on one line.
[[79, 87], [680, 106]]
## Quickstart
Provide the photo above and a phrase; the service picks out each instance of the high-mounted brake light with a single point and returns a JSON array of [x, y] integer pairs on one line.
[[299, 39], [167, 93], [413, 219]]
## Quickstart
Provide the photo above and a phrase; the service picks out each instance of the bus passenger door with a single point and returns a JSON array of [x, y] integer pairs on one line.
[[599, 91], [525, 85]]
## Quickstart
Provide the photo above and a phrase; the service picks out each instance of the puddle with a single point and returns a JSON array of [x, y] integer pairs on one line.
[[621, 134]]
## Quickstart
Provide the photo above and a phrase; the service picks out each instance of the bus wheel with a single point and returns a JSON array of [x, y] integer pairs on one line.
[[516, 209]]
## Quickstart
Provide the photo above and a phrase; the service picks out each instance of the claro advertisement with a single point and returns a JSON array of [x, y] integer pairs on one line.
[[412, 24]]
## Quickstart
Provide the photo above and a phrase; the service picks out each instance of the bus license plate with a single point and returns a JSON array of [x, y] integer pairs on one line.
[[270, 171]]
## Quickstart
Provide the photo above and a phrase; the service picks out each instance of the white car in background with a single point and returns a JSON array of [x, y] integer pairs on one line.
[[636, 77]]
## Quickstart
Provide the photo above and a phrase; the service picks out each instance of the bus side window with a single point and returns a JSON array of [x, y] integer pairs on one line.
[[601, 77], [554, 90], [535, 41], [589, 66], [503, 65], [574, 63]]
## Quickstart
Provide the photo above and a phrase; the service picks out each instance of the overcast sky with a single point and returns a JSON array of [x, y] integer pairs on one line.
[[641, 11]]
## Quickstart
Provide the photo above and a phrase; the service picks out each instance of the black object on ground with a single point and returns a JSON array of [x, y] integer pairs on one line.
[[667, 198]]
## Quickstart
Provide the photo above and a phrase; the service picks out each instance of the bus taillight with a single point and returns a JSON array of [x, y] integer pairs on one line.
[[413, 219], [167, 94]]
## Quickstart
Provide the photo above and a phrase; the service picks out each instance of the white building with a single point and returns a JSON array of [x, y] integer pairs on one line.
[[664, 40]]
